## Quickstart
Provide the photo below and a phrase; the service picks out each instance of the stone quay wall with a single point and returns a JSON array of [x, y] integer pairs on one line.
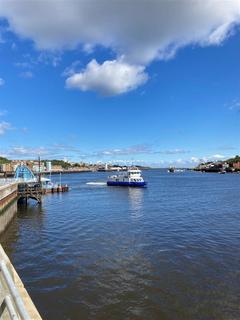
[[8, 205]]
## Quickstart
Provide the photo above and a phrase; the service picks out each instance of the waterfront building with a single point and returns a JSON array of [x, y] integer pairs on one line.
[[236, 165], [48, 166], [6, 167], [36, 168], [57, 168]]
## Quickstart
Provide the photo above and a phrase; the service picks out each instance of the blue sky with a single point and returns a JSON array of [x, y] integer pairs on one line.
[[128, 99]]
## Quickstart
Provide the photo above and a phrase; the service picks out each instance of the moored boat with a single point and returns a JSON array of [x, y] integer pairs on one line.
[[131, 178]]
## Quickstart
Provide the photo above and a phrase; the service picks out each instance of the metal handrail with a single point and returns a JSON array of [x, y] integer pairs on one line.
[[7, 303], [14, 294]]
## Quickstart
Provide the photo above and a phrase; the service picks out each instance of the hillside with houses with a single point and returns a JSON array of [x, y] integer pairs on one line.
[[230, 165]]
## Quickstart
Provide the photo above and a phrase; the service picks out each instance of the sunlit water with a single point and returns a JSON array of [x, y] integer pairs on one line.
[[170, 251]]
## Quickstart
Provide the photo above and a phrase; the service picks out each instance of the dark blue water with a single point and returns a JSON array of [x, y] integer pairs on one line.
[[171, 251]]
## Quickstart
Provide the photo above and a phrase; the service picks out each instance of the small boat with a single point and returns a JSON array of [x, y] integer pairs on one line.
[[171, 170], [222, 171], [131, 178]]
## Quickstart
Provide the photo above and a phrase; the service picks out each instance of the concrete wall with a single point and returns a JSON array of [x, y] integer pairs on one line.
[[7, 215], [8, 204]]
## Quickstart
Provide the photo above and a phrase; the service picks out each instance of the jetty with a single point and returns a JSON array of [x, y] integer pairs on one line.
[[32, 187], [29, 191], [15, 303]]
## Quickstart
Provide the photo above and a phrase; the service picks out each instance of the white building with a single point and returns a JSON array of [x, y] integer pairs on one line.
[[49, 166]]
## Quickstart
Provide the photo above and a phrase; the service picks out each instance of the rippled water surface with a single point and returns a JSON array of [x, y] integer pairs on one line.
[[171, 251]]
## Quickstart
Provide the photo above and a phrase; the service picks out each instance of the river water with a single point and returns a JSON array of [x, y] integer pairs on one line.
[[170, 251]]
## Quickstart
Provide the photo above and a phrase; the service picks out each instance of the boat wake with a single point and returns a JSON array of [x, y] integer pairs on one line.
[[97, 183]]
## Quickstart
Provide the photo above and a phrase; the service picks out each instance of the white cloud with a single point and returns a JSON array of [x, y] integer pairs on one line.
[[141, 31], [110, 78], [234, 105], [71, 70], [139, 149], [26, 151], [128, 151], [188, 162], [217, 157], [4, 126], [2, 82], [55, 151]]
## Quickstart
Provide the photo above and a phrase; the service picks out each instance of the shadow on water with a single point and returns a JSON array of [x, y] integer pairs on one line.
[[10, 211], [31, 209], [32, 212]]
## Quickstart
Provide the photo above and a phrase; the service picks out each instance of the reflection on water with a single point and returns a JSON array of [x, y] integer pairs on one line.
[[170, 251], [136, 201]]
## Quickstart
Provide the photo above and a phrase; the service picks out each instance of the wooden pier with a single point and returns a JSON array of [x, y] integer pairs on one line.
[[56, 189], [35, 191], [31, 190]]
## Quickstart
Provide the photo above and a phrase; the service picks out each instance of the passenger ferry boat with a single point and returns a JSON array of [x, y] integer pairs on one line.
[[131, 178]]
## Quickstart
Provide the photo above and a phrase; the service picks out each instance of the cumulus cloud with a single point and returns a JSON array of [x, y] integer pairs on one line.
[[110, 78], [141, 31]]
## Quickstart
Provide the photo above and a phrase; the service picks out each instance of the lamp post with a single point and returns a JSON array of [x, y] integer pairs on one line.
[[39, 169]]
